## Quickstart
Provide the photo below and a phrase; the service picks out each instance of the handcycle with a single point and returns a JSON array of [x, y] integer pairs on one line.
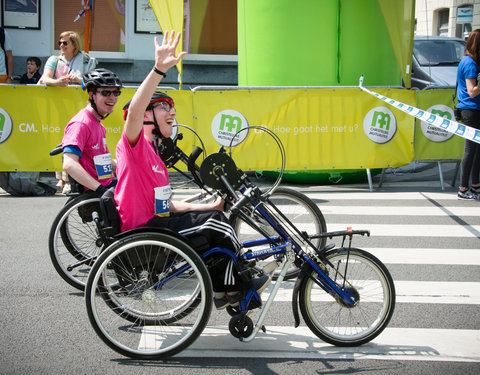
[[149, 294], [74, 241]]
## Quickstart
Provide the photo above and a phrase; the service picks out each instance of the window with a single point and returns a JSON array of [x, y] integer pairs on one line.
[[213, 27], [466, 30], [435, 52], [442, 27], [107, 30]]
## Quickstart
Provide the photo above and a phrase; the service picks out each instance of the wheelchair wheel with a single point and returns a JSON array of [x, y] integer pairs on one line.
[[299, 209], [149, 296], [341, 325], [73, 241]]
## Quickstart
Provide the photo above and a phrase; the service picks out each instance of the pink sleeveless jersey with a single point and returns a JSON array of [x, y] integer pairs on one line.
[[140, 172], [89, 135]]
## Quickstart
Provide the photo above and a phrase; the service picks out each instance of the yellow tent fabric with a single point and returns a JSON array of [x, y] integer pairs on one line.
[[400, 19], [169, 14]]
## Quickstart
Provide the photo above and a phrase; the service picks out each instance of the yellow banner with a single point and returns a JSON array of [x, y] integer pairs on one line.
[[320, 128], [33, 125], [33, 119]]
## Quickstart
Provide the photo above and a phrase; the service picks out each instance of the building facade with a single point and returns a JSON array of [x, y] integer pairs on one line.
[[210, 30], [453, 18], [121, 37]]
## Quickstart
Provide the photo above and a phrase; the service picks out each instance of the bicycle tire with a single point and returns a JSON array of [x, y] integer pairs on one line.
[[299, 209], [139, 321], [73, 240], [334, 322], [113, 298]]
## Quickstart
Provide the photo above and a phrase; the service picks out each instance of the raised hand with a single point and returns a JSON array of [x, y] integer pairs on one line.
[[165, 56]]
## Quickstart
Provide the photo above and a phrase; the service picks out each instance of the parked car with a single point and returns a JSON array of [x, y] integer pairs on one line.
[[435, 60]]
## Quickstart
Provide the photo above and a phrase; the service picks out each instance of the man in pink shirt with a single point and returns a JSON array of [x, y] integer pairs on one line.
[[86, 157], [143, 191]]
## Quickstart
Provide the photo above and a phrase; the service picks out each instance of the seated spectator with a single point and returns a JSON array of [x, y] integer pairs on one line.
[[70, 66], [32, 75]]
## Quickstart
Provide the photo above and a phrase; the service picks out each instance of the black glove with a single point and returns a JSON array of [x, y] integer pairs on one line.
[[100, 190]]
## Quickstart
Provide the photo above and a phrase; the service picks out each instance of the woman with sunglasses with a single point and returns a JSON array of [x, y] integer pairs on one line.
[[86, 157], [70, 65]]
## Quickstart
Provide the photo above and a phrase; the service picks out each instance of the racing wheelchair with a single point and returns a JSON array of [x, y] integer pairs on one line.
[[149, 294], [74, 241]]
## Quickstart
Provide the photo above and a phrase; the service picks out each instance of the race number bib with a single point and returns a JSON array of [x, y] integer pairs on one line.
[[162, 200], [103, 165]]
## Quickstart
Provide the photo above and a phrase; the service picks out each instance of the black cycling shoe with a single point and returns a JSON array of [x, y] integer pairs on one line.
[[259, 283]]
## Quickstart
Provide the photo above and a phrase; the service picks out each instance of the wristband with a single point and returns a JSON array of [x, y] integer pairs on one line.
[[100, 190], [159, 72]]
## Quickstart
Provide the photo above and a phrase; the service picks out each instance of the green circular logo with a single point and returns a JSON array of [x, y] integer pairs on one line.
[[227, 126], [6, 126], [435, 133], [380, 125]]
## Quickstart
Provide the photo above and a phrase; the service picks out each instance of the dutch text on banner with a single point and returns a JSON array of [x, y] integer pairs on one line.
[[27, 136], [450, 126]]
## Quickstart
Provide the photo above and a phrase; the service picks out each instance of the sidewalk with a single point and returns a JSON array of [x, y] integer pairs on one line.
[[412, 175], [422, 172]]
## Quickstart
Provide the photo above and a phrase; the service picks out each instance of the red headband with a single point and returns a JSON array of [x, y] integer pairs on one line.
[[169, 101]]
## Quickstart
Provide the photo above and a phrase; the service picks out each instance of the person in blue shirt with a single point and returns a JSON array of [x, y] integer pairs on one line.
[[468, 94]]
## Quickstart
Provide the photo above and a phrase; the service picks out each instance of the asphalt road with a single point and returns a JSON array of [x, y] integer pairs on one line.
[[45, 329]]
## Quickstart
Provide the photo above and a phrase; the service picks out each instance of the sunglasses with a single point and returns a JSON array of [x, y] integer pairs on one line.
[[62, 42], [165, 106], [107, 93]]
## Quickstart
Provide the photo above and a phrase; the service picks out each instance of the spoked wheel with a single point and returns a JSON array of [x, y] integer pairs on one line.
[[299, 209], [149, 296], [73, 241], [368, 280]]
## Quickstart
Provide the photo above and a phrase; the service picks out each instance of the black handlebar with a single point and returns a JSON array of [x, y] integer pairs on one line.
[[57, 150], [193, 167]]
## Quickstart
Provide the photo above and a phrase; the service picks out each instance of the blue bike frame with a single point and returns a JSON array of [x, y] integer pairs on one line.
[[322, 279]]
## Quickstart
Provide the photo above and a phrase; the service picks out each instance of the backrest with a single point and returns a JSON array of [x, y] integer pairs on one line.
[[111, 218], [111, 223], [75, 187]]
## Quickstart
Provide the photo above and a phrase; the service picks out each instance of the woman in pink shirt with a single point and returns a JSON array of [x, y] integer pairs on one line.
[[143, 192]]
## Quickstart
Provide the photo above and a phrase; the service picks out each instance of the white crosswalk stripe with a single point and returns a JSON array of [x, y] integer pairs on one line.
[[415, 230], [410, 292], [396, 211], [426, 256], [393, 343]]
